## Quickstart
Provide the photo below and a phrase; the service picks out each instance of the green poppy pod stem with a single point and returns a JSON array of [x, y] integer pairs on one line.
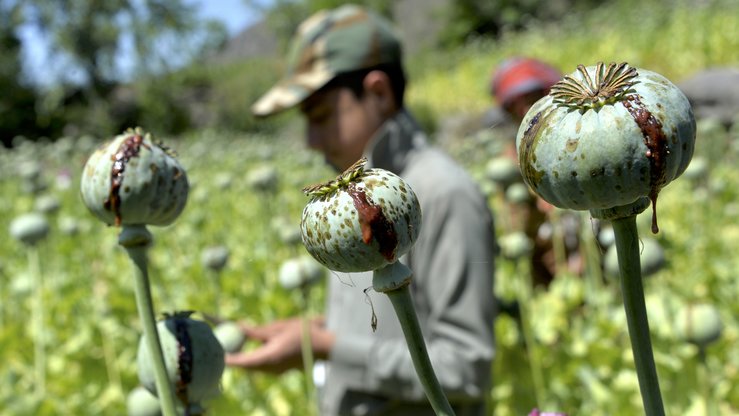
[[558, 242], [517, 247], [215, 259], [306, 349], [593, 276], [136, 239], [132, 182], [30, 230], [366, 220], [393, 280], [39, 349], [525, 300], [627, 246], [300, 274]]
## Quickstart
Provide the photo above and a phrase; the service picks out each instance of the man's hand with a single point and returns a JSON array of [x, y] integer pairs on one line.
[[280, 349]]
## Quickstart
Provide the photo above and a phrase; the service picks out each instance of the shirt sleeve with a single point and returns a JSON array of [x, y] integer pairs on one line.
[[452, 289]]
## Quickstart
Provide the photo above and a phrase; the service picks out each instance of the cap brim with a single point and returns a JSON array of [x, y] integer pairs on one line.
[[290, 92]]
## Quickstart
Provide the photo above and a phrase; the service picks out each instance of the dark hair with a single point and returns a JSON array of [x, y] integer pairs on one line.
[[354, 80]]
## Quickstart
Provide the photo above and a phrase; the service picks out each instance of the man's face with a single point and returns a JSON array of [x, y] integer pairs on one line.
[[339, 125], [520, 105]]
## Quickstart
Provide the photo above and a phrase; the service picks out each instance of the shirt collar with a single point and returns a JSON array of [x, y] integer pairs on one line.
[[394, 141]]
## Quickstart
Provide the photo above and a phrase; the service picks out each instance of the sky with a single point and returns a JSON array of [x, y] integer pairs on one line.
[[234, 14]]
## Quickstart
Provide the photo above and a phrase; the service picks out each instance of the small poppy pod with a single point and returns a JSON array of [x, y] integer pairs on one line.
[[300, 272], [193, 356], [699, 324], [215, 257], [131, 181], [230, 335], [361, 221], [29, 228], [141, 402]]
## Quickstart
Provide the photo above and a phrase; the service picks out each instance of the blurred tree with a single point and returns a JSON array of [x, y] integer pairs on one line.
[[91, 37], [17, 100], [97, 45], [473, 18]]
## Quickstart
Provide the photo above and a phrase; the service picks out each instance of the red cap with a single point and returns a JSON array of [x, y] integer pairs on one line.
[[519, 75]]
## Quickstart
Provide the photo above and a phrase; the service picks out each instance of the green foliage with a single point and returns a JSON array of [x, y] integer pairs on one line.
[[91, 317], [86, 41], [236, 87], [90, 35], [162, 102], [578, 325], [472, 18], [581, 347], [650, 35]]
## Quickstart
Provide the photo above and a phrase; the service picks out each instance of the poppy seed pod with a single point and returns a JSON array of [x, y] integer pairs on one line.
[[29, 228], [230, 335], [141, 402], [361, 221], [699, 324], [300, 272], [215, 258], [193, 356], [132, 180], [503, 171], [606, 137]]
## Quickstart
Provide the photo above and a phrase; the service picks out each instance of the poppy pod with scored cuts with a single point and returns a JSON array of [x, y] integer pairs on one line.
[[606, 137], [361, 221], [132, 180]]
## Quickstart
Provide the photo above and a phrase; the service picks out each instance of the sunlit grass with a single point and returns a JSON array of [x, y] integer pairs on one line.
[[675, 39]]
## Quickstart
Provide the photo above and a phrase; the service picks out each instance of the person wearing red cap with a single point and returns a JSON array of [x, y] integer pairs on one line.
[[516, 84], [519, 82]]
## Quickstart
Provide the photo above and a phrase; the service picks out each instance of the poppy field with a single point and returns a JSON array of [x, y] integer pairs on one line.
[[69, 328], [74, 285]]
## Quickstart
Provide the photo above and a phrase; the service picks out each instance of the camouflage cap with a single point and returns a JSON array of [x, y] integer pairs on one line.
[[328, 43]]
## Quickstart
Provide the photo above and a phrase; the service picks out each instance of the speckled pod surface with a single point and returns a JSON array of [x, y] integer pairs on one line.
[[362, 221], [131, 180], [193, 356], [606, 136]]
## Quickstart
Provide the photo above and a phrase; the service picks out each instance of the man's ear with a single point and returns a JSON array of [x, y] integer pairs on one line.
[[377, 83]]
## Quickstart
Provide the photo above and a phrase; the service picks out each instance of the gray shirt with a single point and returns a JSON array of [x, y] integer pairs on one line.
[[371, 373]]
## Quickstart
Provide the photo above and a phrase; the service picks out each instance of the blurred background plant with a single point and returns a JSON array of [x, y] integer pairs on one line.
[[201, 109]]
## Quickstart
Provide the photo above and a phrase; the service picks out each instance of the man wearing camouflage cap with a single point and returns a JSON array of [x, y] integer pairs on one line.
[[345, 74]]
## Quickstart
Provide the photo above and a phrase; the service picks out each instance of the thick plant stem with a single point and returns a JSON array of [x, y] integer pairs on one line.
[[524, 296], [558, 242], [306, 347], [393, 280], [136, 249], [217, 289], [627, 246], [403, 305]]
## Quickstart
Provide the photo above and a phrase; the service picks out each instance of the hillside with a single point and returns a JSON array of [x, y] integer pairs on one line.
[[650, 35], [421, 23]]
